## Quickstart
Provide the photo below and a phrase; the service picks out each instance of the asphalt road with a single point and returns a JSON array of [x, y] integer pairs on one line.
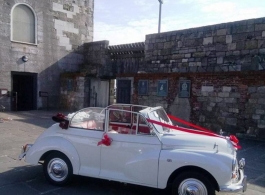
[[19, 178]]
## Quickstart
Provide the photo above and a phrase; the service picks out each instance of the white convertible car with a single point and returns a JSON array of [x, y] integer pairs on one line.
[[138, 145]]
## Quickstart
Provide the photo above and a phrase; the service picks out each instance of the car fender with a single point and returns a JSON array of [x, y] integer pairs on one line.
[[218, 165], [54, 143]]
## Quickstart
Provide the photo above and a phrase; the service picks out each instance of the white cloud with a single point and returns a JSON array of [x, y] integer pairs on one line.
[[142, 23], [135, 31], [123, 36], [141, 2], [144, 5], [198, 2], [220, 7]]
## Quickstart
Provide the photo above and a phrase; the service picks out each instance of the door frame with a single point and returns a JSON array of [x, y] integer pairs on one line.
[[35, 84], [118, 88]]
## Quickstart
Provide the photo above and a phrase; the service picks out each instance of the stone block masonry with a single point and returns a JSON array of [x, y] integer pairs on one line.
[[74, 89], [235, 46], [232, 101], [96, 59]]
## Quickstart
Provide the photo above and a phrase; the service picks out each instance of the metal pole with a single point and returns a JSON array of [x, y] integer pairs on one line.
[[159, 20]]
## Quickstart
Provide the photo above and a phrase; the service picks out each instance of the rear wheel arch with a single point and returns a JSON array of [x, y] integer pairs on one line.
[[193, 169]]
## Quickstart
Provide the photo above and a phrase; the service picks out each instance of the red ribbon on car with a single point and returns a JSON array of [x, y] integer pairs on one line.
[[62, 120], [199, 130], [194, 131], [106, 140], [235, 141], [188, 123]]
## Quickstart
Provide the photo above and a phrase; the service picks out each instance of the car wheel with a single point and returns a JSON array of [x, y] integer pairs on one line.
[[192, 183], [57, 169]]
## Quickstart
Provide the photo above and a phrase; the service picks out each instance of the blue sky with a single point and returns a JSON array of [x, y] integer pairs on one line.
[[128, 21]]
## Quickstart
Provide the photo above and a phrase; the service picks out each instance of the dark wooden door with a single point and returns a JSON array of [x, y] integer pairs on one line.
[[124, 91], [24, 91]]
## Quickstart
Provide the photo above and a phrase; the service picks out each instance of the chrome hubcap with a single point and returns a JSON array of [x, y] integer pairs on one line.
[[192, 187], [57, 169]]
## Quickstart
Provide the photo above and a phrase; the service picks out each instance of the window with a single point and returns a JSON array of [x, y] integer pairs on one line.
[[120, 120], [88, 119], [143, 127], [23, 24], [127, 122]]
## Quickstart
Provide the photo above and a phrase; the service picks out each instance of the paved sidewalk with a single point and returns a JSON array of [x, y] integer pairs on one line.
[[17, 177]]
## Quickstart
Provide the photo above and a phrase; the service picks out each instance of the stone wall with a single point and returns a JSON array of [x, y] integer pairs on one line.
[[235, 46], [233, 102], [96, 62], [62, 28], [126, 58], [93, 91], [105, 61], [74, 91], [78, 90]]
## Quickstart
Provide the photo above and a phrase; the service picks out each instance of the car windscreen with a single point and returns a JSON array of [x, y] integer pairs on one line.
[[161, 116]]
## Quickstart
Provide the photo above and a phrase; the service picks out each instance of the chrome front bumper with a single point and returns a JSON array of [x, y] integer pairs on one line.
[[21, 156], [241, 186], [24, 151]]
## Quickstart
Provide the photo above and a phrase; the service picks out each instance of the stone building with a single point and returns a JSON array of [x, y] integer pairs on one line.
[[39, 41]]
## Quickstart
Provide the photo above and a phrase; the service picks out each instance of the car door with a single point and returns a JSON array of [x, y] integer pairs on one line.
[[132, 156], [85, 142], [85, 135]]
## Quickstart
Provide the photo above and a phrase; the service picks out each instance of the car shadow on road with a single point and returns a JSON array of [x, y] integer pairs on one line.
[[30, 180]]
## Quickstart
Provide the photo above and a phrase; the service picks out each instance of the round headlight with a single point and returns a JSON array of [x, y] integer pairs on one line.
[[242, 163]]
